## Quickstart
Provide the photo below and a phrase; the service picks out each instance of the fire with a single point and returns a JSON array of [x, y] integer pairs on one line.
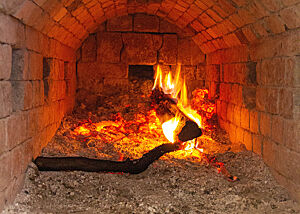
[[82, 130], [136, 137], [169, 128], [176, 88]]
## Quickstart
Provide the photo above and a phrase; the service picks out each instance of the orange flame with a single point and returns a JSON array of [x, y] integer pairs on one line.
[[176, 87]]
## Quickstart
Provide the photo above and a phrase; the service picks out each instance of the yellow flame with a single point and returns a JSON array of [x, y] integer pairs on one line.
[[176, 87], [169, 128]]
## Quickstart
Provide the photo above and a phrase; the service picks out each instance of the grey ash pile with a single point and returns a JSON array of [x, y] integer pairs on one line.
[[168, 186]]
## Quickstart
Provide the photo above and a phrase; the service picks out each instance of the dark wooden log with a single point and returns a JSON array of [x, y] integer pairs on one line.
[[93, 165], [166, 108]]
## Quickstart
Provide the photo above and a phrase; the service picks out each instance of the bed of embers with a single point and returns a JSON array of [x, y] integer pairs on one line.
[[121, 124]]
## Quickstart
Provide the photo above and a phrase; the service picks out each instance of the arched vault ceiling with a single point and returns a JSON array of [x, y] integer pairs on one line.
[[215, 24]]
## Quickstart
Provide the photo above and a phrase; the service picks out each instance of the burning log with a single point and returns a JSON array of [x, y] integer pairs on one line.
[[166, 108], [93, 165]]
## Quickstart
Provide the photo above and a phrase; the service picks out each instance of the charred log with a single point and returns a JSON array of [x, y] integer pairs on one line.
[[166, 108], [93, 165]]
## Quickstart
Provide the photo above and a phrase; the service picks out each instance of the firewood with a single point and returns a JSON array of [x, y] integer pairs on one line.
[[166, 108], [93, 165]]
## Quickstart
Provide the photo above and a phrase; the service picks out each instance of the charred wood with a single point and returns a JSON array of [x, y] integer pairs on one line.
[[94, 165], [166, 108]]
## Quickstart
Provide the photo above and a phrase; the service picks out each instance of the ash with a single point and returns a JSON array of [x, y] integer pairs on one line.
[[174, 186], [169, 185]]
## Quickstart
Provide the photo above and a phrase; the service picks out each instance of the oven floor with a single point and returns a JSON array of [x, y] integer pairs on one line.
[[167, 186], [170, 185]]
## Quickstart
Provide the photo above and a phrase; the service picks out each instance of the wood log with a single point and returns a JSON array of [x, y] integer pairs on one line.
[[166, 108], [93, 165]]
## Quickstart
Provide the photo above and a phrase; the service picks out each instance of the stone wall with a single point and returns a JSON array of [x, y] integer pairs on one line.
[[258, 103], [138, 39], [238, 38], [37, 87]]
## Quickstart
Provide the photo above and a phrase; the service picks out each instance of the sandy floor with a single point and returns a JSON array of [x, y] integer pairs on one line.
[[168, 186]]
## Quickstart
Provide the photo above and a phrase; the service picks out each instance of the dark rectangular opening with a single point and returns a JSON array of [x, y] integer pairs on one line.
[[145, 72]]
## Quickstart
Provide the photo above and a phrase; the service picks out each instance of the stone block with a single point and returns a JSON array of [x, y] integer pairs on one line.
[[20, 60], [225, 91], [167, 27], [272, 100], [84, 73], [184, 51], [69, 70], [288, 164], [235, 94], [230, 112], [145, 23], [206, 20], [5, 98], [18, 161], [28, 12], [14, 188], [275, 24], [22, 95], [141, 48], [269, 152], [35, 66], [5, 170], [286, 104], [272, 72], [265, 124], [291, 135], [237, 115], [239, 135], [89, 49], [37, 93], [17, 123], [3, 137], [257, 144], [234, 73], [249, 97], [214, 89], [293, 65], [224, 110], [53, 69], [267, 99], [113, 70], [188, 72], [168, 52], [11, 31], [109, 47], [235, 54], [232, 40], [231, 129], [61, 89], [57, 90], [122, 23], [248, 140], [213, 73], [277, 129], [200, 72], [245, 118], [249, 33], [5, 61], [261, 94], [254, 122], [291, 16], [189, 53]]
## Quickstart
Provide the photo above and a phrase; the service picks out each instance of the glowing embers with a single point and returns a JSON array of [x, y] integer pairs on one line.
[[169, 97], [133, 138], [169, 128]]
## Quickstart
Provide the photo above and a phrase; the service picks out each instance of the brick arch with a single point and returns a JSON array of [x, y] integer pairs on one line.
[[251, 59], [216, 24]]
